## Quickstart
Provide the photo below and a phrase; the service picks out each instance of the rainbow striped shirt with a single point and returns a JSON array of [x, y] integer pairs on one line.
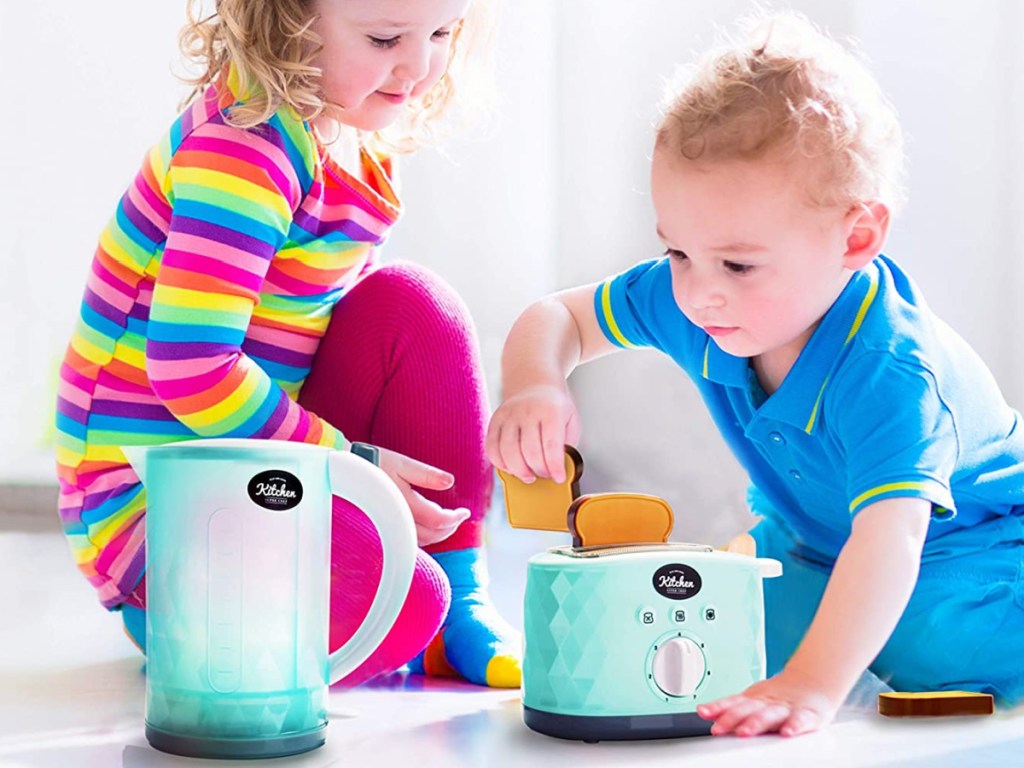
[[208, 295]]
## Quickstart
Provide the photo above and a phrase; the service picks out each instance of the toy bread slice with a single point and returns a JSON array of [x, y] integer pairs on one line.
[[743, 544], [935, 704], [619, 518], [541, 505]]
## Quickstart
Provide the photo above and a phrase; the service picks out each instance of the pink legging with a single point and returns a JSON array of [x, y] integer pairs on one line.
[[399, 368]]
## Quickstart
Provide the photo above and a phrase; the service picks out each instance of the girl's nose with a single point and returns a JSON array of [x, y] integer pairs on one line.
[[415, 63]]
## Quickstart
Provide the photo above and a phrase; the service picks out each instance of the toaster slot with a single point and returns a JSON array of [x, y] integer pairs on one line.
[[607, 550]]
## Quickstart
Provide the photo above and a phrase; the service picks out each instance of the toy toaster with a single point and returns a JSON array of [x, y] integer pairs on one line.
[[625, 632]]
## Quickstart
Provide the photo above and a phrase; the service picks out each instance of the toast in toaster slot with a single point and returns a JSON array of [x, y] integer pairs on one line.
[[619, 518]]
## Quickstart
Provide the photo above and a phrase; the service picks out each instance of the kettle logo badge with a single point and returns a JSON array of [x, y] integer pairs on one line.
[[275, 490], [676, 581]]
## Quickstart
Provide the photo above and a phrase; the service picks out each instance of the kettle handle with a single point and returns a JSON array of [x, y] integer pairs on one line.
[[369, 488]]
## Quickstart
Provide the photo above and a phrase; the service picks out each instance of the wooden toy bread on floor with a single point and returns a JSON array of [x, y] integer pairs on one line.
[[935, 704], [594, 519]]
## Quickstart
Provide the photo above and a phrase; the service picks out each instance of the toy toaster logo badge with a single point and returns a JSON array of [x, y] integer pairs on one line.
[[676, 581], [275, 490]]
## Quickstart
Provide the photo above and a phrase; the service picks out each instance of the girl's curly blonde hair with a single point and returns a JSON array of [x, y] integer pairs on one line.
[[784, 86], [271, 44]]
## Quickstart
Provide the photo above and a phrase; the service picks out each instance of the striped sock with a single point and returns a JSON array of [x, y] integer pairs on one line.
[[475, 642]]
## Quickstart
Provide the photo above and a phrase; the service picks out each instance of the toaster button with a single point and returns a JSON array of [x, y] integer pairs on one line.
[[710, 614], [678, 616], [678, 666], [645, 615]]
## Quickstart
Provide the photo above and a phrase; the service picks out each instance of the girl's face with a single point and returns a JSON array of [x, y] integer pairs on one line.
[[379, 54], [753, 263]]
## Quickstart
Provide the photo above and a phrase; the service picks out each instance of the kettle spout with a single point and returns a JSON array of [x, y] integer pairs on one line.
[[136, 455]]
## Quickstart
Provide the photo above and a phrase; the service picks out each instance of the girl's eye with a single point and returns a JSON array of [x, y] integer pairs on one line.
[[675, 254], [391, 42], [738, 269], [379, 42]]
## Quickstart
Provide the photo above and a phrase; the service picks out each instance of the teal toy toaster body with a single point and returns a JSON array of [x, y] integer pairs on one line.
[[624, 642]]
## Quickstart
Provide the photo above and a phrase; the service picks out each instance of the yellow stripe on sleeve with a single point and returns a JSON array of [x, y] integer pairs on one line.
[[245, 193], [887, 488], [609, 318], [187, 298]]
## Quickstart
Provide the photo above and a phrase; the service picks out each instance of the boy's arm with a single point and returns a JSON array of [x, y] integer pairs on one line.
[[550, 338], [537, 418], [869, 588]]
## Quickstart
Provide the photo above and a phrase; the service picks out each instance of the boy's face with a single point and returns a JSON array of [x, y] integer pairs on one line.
[[753, 263], [380, 54]]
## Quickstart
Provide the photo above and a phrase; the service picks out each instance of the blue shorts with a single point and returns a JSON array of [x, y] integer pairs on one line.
[[963, 628]]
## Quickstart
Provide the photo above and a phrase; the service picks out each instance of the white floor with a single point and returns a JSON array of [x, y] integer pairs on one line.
[[71, 694]]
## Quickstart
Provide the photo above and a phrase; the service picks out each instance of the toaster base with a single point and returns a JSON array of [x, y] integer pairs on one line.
[[616, 727]]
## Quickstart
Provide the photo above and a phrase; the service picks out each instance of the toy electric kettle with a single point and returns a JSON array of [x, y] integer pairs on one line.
[[238, 548], [626, 632]]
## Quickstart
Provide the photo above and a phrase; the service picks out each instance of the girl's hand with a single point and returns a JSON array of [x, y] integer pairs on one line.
[[528, 433], [433, 522], [787, 703]]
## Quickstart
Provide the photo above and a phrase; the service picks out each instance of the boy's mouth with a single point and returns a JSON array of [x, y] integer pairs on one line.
[[718, 330]]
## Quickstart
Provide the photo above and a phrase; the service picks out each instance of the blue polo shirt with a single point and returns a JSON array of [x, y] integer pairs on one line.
[[884, 401]]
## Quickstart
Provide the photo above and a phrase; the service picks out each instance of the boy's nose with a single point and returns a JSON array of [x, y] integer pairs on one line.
[[704, 294]]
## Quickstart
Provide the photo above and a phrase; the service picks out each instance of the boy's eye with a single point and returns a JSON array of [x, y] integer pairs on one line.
[[675, 254], [380, 42], [441, 34], [738, 269]]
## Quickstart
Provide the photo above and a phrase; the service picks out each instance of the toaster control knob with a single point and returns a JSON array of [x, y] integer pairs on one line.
[[678, 666]]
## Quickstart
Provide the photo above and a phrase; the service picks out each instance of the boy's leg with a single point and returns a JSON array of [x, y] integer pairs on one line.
[[963, 628], [399, 368]]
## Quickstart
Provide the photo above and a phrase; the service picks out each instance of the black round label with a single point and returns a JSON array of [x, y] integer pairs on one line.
[[275, 489], [676, 581]]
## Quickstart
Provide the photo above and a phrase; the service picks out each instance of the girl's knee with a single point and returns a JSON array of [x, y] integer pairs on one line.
[[420, 618], [427, 603], [409, 291]]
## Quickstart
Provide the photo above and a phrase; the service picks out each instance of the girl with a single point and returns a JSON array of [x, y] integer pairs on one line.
[[236, 293]]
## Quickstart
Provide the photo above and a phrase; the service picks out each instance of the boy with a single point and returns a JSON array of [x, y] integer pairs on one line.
[[885, 464]]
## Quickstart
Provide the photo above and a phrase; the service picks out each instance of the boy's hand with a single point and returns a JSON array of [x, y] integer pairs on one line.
[[528, 433], [433, 522], [788, 703]]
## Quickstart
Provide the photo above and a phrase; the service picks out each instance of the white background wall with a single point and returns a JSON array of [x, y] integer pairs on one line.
[[557, 195]]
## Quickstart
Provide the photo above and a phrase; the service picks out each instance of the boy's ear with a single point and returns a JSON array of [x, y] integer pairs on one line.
[[867, 226]]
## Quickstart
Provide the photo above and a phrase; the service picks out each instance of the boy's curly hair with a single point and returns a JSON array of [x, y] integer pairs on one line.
[[785, 86], [271, 45]]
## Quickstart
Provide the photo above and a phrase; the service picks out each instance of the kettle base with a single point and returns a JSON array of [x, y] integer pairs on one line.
[[241, 749], [616, 727]]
